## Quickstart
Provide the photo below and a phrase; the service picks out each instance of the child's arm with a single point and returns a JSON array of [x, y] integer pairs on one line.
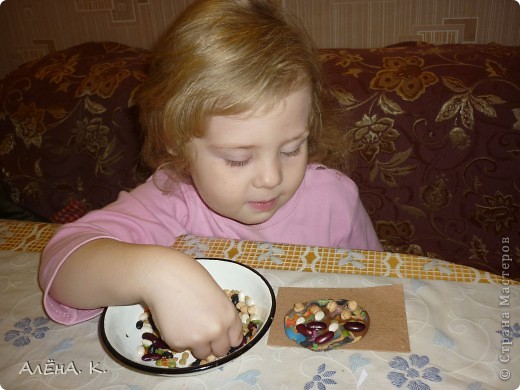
[[189, 308]]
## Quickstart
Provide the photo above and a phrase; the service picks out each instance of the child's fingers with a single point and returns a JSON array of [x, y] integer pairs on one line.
[[220, 346], [236, 334], [201, 351]]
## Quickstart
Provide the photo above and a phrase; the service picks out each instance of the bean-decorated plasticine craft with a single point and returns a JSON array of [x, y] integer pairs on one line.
[[326, 324]]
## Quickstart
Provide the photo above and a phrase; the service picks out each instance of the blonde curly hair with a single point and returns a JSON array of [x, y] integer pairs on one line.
[[229, 57]]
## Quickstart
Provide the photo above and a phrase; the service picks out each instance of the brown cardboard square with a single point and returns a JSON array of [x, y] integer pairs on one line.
[[385, 305]]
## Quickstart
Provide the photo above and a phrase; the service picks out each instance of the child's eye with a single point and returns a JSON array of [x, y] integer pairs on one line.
[[235, 164], [294, 153]]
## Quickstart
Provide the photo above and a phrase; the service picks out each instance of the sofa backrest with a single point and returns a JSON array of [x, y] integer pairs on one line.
[[434, 130], [435, 139], [69, 137]]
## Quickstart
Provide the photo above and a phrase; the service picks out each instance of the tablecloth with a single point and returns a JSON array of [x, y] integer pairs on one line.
[[463, 325]]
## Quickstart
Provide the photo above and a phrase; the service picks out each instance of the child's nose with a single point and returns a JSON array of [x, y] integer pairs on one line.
[[269, 174]]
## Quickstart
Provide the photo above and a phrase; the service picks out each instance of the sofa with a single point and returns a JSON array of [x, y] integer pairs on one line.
[[434, 129]]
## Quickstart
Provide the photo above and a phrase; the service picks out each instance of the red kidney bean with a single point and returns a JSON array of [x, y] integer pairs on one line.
[[149, 336], [354, 326], [151, 356], [302, 328], [318, 325], [160, 343], [324, 337]]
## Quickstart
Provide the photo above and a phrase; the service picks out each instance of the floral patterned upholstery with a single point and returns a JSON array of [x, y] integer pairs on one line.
[[435, 134], [69, 140]]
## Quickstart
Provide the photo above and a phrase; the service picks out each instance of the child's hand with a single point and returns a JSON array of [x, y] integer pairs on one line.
[[190, 309]]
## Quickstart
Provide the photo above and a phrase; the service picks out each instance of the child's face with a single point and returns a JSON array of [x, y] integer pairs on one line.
[[246, 167]]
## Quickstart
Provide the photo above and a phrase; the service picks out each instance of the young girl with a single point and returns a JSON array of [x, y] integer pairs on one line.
[[242, 149]]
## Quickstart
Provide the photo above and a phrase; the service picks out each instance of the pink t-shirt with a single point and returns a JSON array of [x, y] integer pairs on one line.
[[325, 211]]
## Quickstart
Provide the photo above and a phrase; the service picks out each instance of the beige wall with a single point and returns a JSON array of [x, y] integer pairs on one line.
[[30, 29]]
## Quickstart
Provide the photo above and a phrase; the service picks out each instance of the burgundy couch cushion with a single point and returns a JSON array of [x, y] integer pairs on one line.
[[69, 139], [435, 135]]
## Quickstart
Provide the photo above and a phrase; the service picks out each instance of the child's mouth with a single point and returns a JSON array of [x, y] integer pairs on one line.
[[263, 206]]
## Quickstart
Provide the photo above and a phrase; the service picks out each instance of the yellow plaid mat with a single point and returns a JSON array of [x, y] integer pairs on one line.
[[32, 237]]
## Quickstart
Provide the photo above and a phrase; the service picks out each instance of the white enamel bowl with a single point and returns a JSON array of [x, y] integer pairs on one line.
[[121, 337]]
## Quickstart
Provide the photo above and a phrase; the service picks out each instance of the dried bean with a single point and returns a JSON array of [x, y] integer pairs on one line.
[[151, 356], [160, 343], [323, 338], [317, 325], [354, 326], [319, 315], [149, 336], [304, 330], [345, 314], [334, 326], [332, 306]]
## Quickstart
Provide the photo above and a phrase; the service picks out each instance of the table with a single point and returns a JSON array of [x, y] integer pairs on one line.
[[464, 324]]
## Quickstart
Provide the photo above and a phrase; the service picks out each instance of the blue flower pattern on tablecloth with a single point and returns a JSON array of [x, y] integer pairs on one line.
[[321, 379], [416, 284], [441, 265], [413, 372], [63, 345], [509, 333], [441, 338], [353, 258], [356, 361], [250, 377], [476, 386], [272, 253], [26, 328], [198, 248]]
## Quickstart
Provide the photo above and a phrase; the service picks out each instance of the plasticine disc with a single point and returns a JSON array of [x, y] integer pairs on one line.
[[326, 324]]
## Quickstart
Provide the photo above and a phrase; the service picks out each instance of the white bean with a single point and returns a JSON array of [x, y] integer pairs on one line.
[[244, 318], [333, 326], [241, 297], [319, 315]]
